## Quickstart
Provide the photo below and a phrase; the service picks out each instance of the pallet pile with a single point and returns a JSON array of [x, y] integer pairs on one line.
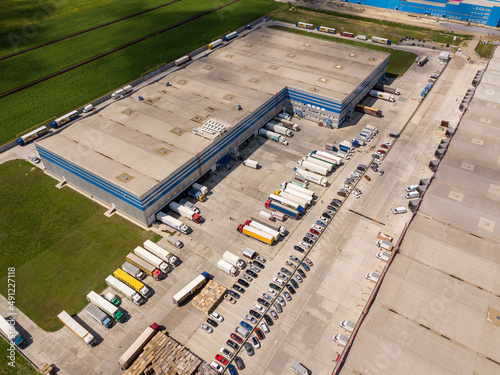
[[165, 356], [209, 297]]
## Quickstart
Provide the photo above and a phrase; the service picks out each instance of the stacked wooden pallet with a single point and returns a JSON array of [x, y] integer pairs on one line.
[[209, 297], [165, 356]]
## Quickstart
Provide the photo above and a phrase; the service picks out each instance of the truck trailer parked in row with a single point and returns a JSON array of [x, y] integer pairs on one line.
[[273, 136], [233, 259], [273, 205], [286, 202], [313, 177], [122, 92], [172, 222], [263, 228], [174, 241], [147, 267], [132, 282], [304, 202], [185, 212], [9, 329], [291, 186], [201, 188], [295, 194], [368, 110], [277, 128], [124, 289], [99, 316], [133, 271], [199, 281], [227, 267], [278, 228], [136, 348], [196, 194], [151, 258], [256, 233], [73, 325], [106, 306], [161, 253], [382, 95], [379, 86]]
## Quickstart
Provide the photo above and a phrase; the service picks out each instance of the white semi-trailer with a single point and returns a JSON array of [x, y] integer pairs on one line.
[[151, 258], [233, 259], [161, 253], [227, 267], [73, 325], [172, 222], [124, 289]]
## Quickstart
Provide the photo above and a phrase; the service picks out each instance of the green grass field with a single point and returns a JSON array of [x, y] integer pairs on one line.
[[52, 98], [22, 367], [399, 62], [446, 38], [60, 243], [485, 50]]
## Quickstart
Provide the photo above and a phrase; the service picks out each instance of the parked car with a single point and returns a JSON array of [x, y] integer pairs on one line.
[[221, 359], [249, 349], [255, 314], [356, 195], [290, 264], [216, 366], [278, 307], [272, 292], [299, 279], [238, 288], [236, 338], [247, 278], [251, 273], [381, 172], [294, 283], [274, 286], [281, 301], [230, 299], [367, 178], [255, 342], [294, 258], [290, 288], [243, 282], [233, 293], [226, 352], [246, 325], [298, 248], [251, 319], [301, 273], [260, 259], [311, 236], [306, 267], [304, 245], [268, 319], [313, 231], [263, 302], [264, 326], [207, 328], [287, 295], [384, 146], [326, 215], [320, 223], [217, 316], [259, 308], [335, 200], [239, 362], [258, 264], [309, 262], [212, 322], [259, 333], [381, 152], [282, 276], [253, 268], [273, 314], [232, 370], [317, 227], [341, 193], [285, 271], [267, 297], [358, 191], [307, 240], [399, 210]]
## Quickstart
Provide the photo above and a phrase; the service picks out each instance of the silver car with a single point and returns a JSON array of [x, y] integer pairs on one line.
[[283, 276], [251, 319], [267, 296], [253, 268], [281, 300], [299, 279]]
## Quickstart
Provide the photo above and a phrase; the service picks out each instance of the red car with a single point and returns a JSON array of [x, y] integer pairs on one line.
[[221, 359], [314, 231], [384, 146], [236, 338], [381, 152]]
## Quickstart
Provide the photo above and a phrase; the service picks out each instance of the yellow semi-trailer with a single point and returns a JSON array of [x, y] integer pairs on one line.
[[132, 282], [256, 233]]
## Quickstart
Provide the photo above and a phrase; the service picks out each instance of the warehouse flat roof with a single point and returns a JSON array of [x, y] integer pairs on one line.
[[438, 309], [138, 144]]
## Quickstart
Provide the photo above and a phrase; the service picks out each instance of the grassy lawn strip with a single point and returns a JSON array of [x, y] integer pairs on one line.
[[31, 22], [399, 62], [60, 243], [485, 50], [448, 38], [23, 367], [77, 87], [18, 70]]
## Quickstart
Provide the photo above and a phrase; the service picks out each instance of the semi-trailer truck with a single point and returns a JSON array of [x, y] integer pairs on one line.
[[256, 233], [312, 167], [233, 259], [227, 267], [313, 177], [199, 281], [132, 282], [121, 92], [278, 215], [73, 325], [382, 95], [277, 128], [147, 267], [385, 245], [304, 202], [99, 316], [174, 241], [172, 222], [124, 289], [279, 228], [161, 253], [133, 271], [324, 159], [190, 205], [192, 192], [273, 205], [263, 228], [302, 190], [201, 188], [326, 164], [151, 258], [9, 329], [106, 306], [267, 215], [286, 202], [295, 194], [368, 110], [138, 345], [288, 124], [185, 212], [273, 136], [327, 155], [379, 86]]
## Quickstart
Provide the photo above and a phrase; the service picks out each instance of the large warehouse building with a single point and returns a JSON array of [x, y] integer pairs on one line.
[[484, 12], [142, 151]]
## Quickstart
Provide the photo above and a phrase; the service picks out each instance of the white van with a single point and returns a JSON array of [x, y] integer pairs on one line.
[[373, 276], [348, 324], [412, 194], [299, 369], [383, 255], [341, 339], [34, 159], [399, 210], [411, 188]]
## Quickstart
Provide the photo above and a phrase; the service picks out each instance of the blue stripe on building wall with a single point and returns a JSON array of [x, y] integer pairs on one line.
[[101, 184], [310, 99]]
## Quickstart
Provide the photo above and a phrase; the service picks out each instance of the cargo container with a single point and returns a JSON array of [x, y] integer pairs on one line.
[[278, 215], [233, 259], [230, 36], [249, 253], [200, 187], [64, 119], [277, 128], [121, 92], [161, 253], [292, 186], [199, 281], [304, 202], [283, 209], [382, 95], [132, 282], [133, 270], [368, 110], [172, 222], [147, 267], [286, 202], [215, 43], [138, 345], [256, 233], [196, 194], [99, 316], [330, 161], [263, 228], [273, 136], [174, 241], [124, 289], [106, 306], [182, 60], [9, 329], [185, 212], [227, 267], [151, 258], [312, 177], [251, 163], [73, 325], [278, 228], [376, 39], [379, 86], [266, 215]]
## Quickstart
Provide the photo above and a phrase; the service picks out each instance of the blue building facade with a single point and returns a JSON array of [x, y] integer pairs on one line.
[[484, 12]]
